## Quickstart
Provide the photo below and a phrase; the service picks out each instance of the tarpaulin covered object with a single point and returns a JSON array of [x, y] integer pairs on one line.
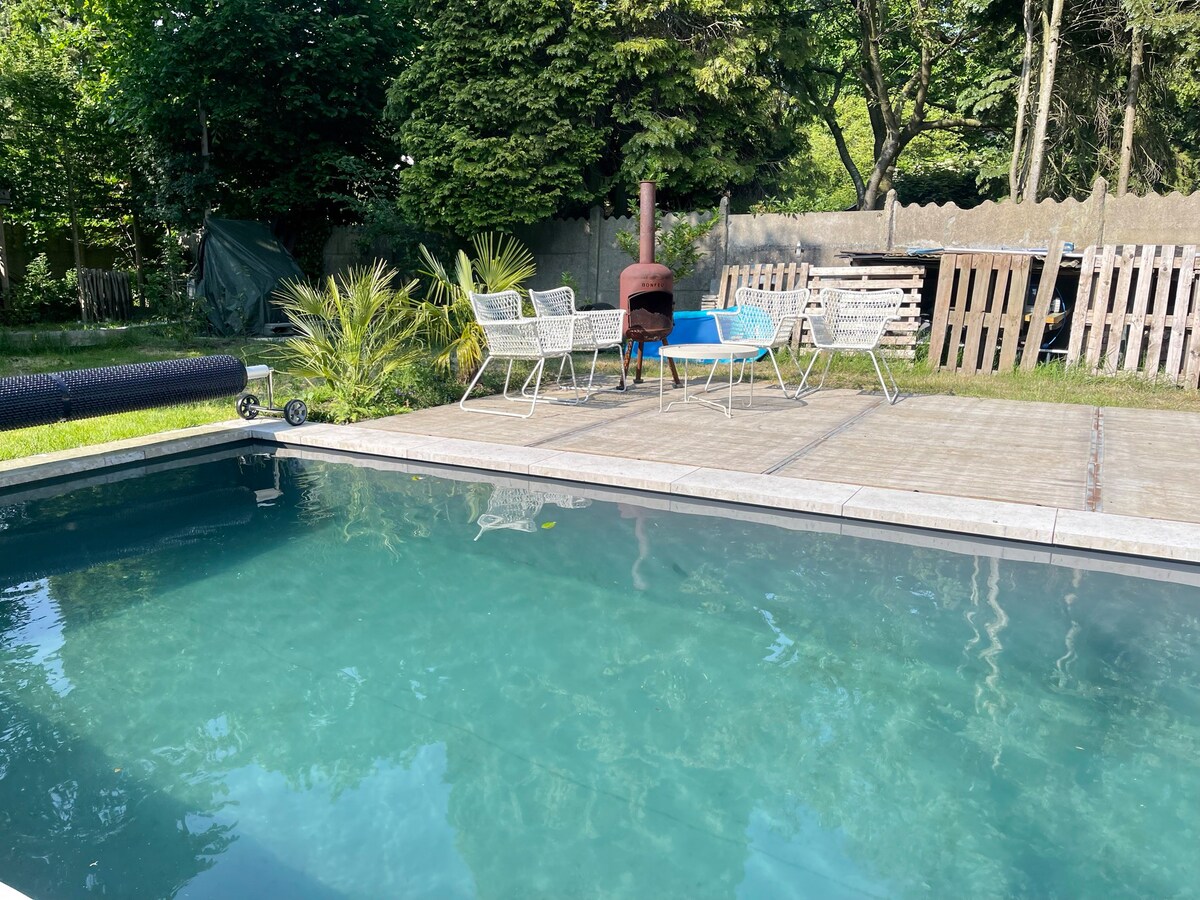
[[241, 265]]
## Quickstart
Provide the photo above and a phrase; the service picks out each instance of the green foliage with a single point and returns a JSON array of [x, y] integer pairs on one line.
[[443, 323], [289, 92], [508, 122], [350, 337], [62, 159], [167, 295], [40, 297], [677, 247]]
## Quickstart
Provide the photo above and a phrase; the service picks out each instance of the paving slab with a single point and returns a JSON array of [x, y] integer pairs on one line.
[[1011, 521], [795, 494], [1128, 534], [751, 440], [1149, 464], [590, 468], [1033, 453]]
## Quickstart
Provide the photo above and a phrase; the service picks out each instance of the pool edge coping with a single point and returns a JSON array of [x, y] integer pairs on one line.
[[1159, 539]]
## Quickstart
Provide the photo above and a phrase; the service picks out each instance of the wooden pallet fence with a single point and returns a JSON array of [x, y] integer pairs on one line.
[[901, 336], [1138, 310], [763, 277], [979, 311], [107, 295]]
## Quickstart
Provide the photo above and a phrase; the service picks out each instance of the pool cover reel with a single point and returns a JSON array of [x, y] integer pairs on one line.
[[27, 400]]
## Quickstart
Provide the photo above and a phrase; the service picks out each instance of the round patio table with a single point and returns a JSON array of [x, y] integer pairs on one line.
[[714, 353]]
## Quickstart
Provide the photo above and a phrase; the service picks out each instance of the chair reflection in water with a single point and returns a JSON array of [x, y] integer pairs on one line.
[[516, 508]]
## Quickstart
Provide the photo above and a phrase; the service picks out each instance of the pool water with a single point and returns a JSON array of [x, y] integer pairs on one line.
[[283, 677]]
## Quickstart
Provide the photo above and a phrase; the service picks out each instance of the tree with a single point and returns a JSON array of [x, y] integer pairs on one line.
[[62, 160], [500, 121], [253, 108], [1115, 97], [918, 68], [577, 110]]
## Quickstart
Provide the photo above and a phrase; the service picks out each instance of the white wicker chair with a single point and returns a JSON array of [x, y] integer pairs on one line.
[[763, 319], [513, 337], [853, 321], [595, 329]]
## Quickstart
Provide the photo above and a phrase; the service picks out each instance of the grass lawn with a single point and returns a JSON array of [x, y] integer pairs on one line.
[[141, 348], [1049, 383]]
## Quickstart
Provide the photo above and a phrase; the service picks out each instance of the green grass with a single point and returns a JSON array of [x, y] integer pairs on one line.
[[1051, 383], [67, 435], [1048, 383], [146, 346]]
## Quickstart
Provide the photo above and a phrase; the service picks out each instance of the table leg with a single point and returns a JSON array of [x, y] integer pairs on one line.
[[729, 399], [661, 369]]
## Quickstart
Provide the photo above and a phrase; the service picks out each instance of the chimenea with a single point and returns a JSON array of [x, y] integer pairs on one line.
[[646, 292]]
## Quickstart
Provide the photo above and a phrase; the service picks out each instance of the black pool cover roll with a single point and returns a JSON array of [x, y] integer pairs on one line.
[[41, 399]]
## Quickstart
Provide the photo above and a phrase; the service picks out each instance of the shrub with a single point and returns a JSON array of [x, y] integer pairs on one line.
[[350, 338], [443, 323], [40, 297]]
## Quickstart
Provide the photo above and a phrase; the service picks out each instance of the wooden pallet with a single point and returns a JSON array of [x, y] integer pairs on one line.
[[979, 311], [1138, 310], [901, 335], [107, 295], [762, 277]]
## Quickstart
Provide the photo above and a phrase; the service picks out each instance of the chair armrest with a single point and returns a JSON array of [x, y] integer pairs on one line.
[[822, 333], [725, 320]]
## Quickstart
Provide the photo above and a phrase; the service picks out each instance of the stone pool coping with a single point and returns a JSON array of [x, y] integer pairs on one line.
[[1074, 529]]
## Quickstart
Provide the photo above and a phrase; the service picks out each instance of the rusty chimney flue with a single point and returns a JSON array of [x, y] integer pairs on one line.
[[646, 214], [647, 289]]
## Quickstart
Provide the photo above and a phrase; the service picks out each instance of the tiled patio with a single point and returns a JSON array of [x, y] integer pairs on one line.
[[1123, 461], [1072, 477]]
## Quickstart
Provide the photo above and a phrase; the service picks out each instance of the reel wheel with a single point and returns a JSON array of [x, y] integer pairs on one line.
[[247, 406], [295, 412]]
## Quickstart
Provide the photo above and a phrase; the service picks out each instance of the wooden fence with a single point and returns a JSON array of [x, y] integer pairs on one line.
[[901, 336], [1137, 310], [107, 295]]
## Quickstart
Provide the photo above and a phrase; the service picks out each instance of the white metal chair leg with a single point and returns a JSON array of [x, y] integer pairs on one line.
[[825, 371], [804, 378], [537, 370], [891, 398], [462, 404], [778, 374]]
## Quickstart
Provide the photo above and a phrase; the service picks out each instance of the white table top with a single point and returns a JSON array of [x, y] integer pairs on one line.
[[709, 351]]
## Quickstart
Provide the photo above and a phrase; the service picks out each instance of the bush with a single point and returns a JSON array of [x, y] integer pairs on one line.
[[350, 339], [40, 297], [444, 323]]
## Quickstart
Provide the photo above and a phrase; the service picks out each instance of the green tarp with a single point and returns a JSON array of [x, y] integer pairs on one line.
[[241, 265]]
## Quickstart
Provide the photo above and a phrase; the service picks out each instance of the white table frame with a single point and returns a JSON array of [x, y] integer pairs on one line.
[[719, 353]]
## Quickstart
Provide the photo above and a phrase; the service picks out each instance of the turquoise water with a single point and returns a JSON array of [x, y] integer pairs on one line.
[[331, 688]]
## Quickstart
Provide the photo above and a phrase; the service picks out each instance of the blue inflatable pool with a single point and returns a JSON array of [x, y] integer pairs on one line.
[[691, 327]]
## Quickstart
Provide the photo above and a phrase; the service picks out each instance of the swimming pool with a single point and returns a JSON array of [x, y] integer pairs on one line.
[[283, 676]]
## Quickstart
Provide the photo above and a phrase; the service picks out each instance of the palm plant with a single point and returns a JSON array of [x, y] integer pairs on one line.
[[443, 321], [350, 336]]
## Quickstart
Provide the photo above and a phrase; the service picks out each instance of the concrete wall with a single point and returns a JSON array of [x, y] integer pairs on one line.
[[587, 248]]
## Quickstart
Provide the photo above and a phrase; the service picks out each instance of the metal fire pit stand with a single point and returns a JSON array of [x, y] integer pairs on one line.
[[717, 353], [641, 346]]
